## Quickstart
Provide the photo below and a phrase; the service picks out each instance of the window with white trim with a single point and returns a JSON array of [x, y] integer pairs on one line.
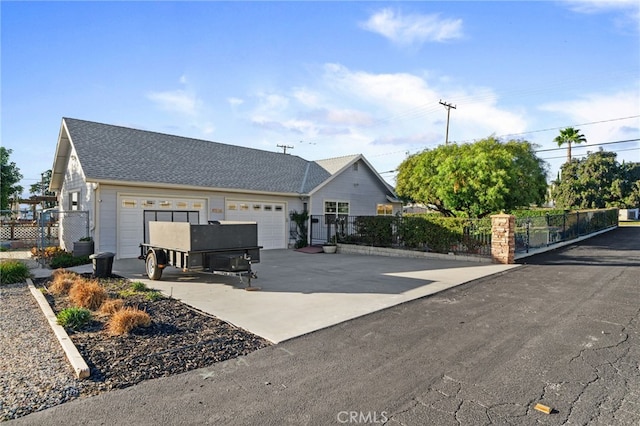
[[335, 209], [74, 200]]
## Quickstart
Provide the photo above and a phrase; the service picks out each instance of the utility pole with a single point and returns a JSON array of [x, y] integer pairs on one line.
[[284, 148], [448, 107]]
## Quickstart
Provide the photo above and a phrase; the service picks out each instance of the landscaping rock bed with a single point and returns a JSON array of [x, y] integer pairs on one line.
[[179, 339]]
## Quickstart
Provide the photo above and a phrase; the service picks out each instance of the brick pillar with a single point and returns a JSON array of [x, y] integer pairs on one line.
[[503, 238]]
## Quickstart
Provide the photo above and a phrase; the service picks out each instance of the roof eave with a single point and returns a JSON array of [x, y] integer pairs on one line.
[[61, 159], [188, 187]]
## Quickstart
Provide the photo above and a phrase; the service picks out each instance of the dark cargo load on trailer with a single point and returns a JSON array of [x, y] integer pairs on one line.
[[224, 247]]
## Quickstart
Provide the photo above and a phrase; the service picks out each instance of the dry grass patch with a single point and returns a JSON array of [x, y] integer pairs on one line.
[[87, 294], [126, 319], [62, 281], [111, 306]]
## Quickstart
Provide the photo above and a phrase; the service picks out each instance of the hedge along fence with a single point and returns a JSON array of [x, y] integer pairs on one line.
[[424, 232], [431, 232], [446, 234]]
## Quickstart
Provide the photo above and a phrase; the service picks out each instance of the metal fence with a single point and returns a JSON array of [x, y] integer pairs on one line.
[[543, 231], [442, 235]]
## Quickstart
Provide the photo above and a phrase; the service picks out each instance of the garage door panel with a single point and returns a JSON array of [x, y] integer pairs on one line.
[[131, 218], [270, 218]]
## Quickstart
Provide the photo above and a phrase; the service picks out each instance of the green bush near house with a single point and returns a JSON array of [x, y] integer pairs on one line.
[[65, 259], [13, 271]]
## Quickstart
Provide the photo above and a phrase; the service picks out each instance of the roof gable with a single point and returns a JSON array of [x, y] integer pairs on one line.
[[120, 154]]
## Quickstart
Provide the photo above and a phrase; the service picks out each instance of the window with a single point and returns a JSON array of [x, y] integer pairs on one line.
[[148, 203], [74, 199], [129, 204], [232, 206], [244, 206], [384, 210], [257, 207], [181, 204], [268, 208], [165, 204], [336, 207]]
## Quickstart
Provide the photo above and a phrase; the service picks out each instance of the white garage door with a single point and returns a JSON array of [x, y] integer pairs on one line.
[[131, 218], [270, 218]]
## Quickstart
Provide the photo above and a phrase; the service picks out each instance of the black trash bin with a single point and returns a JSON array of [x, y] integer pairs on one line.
[[102, 264]]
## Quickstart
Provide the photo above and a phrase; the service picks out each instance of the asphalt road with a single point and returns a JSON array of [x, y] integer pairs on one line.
[[561, 330]]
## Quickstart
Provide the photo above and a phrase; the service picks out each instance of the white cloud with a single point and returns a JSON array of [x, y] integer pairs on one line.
[[175, 101], [600, 107], [413, 28], [596, 6], [383, 116], [628, 11], [235, 101]]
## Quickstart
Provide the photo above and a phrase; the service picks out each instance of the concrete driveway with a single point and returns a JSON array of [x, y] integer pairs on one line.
[[302, 292]]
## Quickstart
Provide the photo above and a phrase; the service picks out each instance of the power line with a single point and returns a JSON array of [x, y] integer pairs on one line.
[[589, 145], [572, 125], [587, 153]]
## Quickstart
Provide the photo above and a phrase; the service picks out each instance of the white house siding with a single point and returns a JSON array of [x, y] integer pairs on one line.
[[110, 238], [361, 188], [74, 182]]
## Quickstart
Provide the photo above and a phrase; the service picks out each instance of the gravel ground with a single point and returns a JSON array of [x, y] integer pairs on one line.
[[35, 372]]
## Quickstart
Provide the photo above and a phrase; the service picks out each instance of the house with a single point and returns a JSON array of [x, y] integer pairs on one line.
[[125, 178]]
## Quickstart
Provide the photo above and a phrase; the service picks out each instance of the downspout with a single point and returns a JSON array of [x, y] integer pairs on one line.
[[96, 235]]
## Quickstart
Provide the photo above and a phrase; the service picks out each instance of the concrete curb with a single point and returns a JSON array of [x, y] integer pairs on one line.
[[393, 252], [77, 362]]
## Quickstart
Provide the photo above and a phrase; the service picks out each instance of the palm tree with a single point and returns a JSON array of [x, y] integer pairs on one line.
[[569, 136]]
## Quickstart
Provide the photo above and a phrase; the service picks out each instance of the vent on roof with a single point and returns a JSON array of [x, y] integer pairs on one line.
[[355, 167]]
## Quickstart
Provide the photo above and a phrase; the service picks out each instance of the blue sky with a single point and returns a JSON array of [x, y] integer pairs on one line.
[[326, 78]]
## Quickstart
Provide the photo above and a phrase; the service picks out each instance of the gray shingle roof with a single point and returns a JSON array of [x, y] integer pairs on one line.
[[114, 153], [334, 165]]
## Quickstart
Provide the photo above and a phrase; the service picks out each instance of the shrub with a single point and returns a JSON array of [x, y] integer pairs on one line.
[[65, 260], [62, 281], [47, 253], [13, 271], [138, 286], [74, 318], [153, 295], [111, 306], [87, 294], [126, 320]]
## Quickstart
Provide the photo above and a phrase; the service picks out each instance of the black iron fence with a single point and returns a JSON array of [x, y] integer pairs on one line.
[[543, 231], [455, 235], [435, 234]]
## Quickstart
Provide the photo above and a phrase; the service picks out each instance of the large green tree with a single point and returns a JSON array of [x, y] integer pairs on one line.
[[569, 136], [597, 181], [474, 179], [9, 179]]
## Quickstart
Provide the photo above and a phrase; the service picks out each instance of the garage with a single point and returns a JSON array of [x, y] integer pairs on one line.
[[134, 213], [270, 217]]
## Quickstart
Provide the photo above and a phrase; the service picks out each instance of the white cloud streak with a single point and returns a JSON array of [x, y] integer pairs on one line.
[[413, 29], [175, 101]]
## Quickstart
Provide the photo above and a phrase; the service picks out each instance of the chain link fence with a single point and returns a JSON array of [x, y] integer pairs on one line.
[[73, 226]]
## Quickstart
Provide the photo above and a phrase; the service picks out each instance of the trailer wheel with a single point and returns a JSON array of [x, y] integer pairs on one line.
[[154, 272]]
